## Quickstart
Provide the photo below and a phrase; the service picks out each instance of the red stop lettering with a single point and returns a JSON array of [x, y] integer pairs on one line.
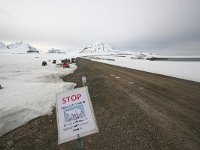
[[71, 98]]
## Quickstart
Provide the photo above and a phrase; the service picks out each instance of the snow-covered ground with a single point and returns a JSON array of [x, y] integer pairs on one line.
[[29, 89], [189, 70]]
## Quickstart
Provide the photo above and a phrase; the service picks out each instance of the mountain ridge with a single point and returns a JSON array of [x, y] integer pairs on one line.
[[98, 47], [18, 47]]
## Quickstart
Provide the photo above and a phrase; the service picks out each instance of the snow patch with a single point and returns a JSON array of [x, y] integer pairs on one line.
[[189, 70], [29, 89]]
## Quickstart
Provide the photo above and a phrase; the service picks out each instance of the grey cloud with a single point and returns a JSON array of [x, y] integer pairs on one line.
[[125, 24]]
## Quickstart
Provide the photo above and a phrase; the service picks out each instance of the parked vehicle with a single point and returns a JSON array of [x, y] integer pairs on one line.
[[73, 60], [54, 62], [65, 65], [44, 63]]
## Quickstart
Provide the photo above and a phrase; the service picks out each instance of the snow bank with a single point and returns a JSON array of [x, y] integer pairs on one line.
[[182, 70], [29, 89]]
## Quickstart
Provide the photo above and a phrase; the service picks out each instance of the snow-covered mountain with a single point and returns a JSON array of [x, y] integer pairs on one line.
[[3, 46], [136, 55], [141, 55], [15, 45], [19, 48], [98, 47]]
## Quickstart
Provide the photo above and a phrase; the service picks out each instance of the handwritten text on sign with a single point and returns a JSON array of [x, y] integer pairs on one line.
[[74, 115]]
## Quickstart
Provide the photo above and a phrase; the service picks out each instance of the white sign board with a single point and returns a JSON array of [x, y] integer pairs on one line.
[[74, 115]]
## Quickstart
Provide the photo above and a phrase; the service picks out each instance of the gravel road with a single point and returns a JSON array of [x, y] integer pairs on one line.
[[133, 109]]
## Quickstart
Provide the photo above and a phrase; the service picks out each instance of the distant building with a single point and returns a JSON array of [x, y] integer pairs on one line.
[[32, 51], [56, 51]]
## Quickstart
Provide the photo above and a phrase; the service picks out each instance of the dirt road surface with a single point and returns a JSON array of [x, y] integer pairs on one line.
[[133, 109]]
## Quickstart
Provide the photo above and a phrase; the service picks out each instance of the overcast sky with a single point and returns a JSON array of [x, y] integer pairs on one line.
[[161, 26]]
